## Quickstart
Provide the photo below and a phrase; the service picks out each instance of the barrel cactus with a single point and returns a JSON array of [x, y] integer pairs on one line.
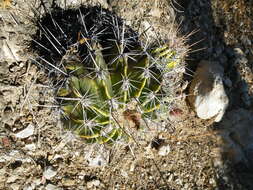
[[108, 80]]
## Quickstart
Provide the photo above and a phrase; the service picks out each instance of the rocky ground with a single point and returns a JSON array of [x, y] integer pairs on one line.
[[194, 153]]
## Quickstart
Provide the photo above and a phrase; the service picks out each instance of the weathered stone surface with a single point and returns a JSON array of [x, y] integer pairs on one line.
[[238, 136], [207, 94]]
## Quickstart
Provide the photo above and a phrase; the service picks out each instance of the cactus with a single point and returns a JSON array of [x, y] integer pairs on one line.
[[112, 80]]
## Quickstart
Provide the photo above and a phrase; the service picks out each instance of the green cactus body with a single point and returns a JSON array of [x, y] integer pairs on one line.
[[114, 82], [102, 98]]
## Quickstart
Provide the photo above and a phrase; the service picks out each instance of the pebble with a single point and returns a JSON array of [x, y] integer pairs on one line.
[[49, 173], [52, 187], [93, 183], [12, 179], [30, 147], [99, 160], [240, 56], [175, 114], [164, 150], [29, 187], [68, 182], [15, 186], [27, 132]]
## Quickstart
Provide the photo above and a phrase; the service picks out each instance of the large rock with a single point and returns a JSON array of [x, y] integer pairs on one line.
[[207, 94], [237, 133]]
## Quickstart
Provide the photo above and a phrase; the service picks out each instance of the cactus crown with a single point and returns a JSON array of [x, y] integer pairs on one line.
[[111, 80]]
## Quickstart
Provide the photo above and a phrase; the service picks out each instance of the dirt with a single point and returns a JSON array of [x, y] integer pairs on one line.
[[197, 158]]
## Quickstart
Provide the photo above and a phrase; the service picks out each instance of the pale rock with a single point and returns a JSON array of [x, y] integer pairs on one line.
[[52, 187], [37, 181], [132, 167], [93, 183], [12, 178], [49, 173], [164, 149], [207, 94], [99, 160], [27, 132], [30, 187], [240, 56], [124, 173], [15, 186], [68, 182], [30, 147]]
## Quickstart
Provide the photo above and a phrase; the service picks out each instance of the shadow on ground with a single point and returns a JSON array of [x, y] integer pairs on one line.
[[235, 129]]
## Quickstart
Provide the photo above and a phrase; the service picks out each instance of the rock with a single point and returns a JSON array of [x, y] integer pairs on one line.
[[27, 132], [30, 147], [97, 161], [52, 187], [12, 178], [207, 94], [68, 182], [97, 156], [15, 186], [93, 183], [238, 136], [30, 187], [240, 56], [158, 146], [164, 149], [49, 173], [175, 114]]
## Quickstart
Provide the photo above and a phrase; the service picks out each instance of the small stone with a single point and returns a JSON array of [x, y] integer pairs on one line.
[[207, 94], [15, 186], [246, 40], [124, 173], [93, 183], [68, 182], [156, 12], [49, 173], [98, 160], [175, 114], [37, 181], [28, 187], [30, 147], [12, 178], [27, 132], [240, 56], [52, 187], [164, 149], [6, 142], [132, 167]]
